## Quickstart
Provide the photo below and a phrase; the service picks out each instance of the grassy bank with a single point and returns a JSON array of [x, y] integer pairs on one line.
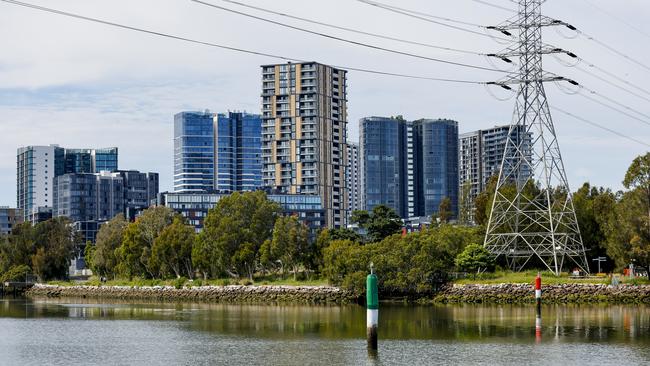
[[547, 278], [94, 281]]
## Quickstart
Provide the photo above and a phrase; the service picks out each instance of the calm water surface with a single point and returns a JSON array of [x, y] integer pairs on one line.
[[88, 332]]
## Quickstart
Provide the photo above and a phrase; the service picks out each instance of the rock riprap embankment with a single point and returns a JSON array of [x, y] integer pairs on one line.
[[563, 293], [230, 294]]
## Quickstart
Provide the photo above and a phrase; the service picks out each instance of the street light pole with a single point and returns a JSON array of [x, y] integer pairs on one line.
[[599, 259]]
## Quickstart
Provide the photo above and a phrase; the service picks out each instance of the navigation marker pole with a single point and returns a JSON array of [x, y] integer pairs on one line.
[[538, 316], [372, 312]]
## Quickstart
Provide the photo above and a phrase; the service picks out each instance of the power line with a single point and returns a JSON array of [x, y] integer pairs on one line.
[[258, 53], [235, 49], [347, 40], [358, 31], [613, 108], [616, 17], [612, 75], [378, 4], [612, 83], [612, 49], [413, 14], [494, 5], [594, 124]]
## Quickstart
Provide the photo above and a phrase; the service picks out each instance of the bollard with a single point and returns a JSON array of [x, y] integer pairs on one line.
[[538, 289], [372, 312]]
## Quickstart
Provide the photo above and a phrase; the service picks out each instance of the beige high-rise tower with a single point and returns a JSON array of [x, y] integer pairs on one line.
[[304, 131]]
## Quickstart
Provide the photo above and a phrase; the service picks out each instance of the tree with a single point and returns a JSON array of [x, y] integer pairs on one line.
[[172, 250], [55, 241], [483, 202], [135, 252], [474, 258], [18, 247], [380, 223], [444, 210], [344, 234], [465, 205], [360, 217], [627, 226], [109, 238], [290, 243], [637, 177], [592, 205], [238, 219]]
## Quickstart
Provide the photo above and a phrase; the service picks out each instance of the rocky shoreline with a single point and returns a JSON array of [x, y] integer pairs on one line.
[[507, 293], [223, 294]]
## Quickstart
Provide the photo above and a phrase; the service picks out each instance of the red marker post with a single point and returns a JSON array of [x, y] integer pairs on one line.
[[538, 289]]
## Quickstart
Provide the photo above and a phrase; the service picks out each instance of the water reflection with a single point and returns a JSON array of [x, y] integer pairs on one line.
[[520, 324]]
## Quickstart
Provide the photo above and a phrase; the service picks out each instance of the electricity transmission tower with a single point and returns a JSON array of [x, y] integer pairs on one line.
[[533, 217]]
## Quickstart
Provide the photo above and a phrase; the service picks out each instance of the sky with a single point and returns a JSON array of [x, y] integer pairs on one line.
[[82, 85]]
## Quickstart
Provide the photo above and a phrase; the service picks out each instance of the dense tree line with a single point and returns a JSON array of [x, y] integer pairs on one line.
[[44, 249], [246, 235]]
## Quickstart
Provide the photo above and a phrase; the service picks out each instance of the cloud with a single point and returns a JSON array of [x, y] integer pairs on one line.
[[81, 84]]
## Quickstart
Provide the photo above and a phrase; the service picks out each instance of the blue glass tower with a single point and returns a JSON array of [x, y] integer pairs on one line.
[[436, 164], [194, 151], [238, 161], [382, 144]]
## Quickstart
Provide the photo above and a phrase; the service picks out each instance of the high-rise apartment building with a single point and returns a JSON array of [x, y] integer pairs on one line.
[[353, 179], [217, 152], [140, 189], [88, 197], [238, 150], [194, 151], [481, 153], [436, 168], [409, 166], [37, 166], [382, 144], [9, 218], [89, 200], [304, 128]]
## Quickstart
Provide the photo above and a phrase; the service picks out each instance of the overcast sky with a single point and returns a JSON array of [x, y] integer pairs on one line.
[[78, 84]]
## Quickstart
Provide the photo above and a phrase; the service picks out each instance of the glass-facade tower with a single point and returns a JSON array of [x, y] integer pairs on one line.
[[194, 151], [436, 164], [409, 166], [382, 144], [238, 160]]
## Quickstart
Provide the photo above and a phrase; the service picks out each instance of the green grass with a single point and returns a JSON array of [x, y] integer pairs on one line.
[[94, 281], [527, 277]]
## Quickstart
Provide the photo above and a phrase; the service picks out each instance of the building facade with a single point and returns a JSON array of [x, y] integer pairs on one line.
[[409, 166], [194, 151], [139, 190], [238, 152], [353, 179], [304, 128], [9, 218], [195, 206], [88, 197], [37, 166], [436, 169], [480, 157], [382, 144]]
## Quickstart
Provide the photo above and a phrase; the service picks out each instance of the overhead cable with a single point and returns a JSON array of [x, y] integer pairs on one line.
[[353, 30], [362, 44], [230, 48]]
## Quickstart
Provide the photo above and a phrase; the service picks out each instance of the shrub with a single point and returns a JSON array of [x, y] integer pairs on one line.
[[179, 282]]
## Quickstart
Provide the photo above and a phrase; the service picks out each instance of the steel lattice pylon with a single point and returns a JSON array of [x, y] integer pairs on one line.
[[532, 212]]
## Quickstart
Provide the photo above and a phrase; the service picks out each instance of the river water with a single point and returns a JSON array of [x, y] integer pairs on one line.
[[91, 332]]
